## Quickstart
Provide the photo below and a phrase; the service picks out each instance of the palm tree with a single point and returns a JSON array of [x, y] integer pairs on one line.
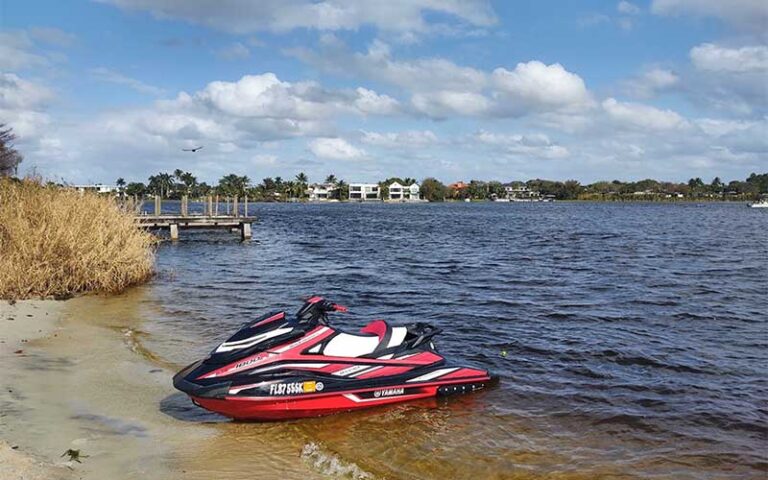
[[189, 182], [161, 184], [342, 190], [288, 188], [301, 184], [331, 179]]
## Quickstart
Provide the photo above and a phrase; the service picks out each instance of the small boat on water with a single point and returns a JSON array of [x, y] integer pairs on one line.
[[763, 203], [282, 366]]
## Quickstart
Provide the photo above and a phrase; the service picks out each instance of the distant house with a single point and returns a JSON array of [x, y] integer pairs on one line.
[[364, 191], [399, 192], [458, 186], [320, 192], [97, 188], [396, 191], [521, 193], [413, 192], [674, 195]]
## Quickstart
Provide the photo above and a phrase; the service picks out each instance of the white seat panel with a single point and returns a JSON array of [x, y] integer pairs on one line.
[[398, 335], [346, 345]]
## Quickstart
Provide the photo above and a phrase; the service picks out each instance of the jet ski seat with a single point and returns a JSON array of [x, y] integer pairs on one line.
[[377, 335]]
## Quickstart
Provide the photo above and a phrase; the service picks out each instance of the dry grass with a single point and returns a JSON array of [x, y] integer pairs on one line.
[[57, 243]]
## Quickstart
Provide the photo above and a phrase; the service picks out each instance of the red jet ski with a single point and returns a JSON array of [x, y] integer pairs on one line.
[[278, 367]]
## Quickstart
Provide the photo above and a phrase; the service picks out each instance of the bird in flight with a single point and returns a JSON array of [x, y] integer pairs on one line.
[[192, 149]]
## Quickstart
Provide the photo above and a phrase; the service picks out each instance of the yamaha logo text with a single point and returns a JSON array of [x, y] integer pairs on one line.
[[388, 392]]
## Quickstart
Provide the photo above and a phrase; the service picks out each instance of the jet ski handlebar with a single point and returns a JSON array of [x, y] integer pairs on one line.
[[317, 308]]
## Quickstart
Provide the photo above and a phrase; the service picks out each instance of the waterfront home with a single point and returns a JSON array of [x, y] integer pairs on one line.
[[458, 186], [521, 194], [364, 191], [320, 192], [399, 192], [96, 187]]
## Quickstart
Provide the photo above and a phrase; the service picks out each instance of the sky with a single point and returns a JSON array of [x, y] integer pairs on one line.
[[509, 90]]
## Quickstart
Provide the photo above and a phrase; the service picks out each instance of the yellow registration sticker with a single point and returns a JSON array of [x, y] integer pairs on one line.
[[310, 387]]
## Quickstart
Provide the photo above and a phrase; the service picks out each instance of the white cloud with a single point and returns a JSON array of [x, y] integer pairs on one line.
[[529, 146], [263, 160], [642, 116], [445, 103], [424, 74], [235, 51], [652, 81], [748, 14], [335, 149], [627, 8], [731, 79], [104, 74], [539, 87], [22, 106], [16, 52], [247, 16], [20, 49], [717, 127], [370, 102], [17, 93], [406, 139], [440, 88], [266, 96], [717, 58]]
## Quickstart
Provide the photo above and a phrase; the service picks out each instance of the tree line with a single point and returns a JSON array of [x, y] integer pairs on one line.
[[181, 183]]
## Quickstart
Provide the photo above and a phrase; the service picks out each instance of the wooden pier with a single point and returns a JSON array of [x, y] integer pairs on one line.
[[210, 218]]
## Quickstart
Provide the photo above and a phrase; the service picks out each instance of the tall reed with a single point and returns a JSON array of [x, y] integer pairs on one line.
[[56, 242]]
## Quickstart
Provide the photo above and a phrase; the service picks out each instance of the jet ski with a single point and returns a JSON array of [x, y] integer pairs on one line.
[[281, 367]]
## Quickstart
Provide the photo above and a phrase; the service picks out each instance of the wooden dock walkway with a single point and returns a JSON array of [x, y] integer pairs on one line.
[[209, 219]]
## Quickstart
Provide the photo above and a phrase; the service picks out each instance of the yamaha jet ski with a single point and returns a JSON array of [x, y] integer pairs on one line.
[[281, 367]]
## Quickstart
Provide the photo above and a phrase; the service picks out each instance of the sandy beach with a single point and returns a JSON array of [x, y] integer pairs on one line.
[[21, 323]]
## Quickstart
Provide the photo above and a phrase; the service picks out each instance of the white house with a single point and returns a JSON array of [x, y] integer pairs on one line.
[[321, 191], [399, 192], [395, 191], [413, 192], [98, 188], [521, 193], [363, 191]]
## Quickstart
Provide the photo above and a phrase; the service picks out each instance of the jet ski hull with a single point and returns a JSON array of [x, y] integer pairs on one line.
[[320, 404]]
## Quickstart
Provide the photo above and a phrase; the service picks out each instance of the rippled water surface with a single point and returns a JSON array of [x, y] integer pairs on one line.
[[636, 335]]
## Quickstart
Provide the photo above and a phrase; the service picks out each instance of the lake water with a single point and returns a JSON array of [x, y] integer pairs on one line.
[[636, 335]]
